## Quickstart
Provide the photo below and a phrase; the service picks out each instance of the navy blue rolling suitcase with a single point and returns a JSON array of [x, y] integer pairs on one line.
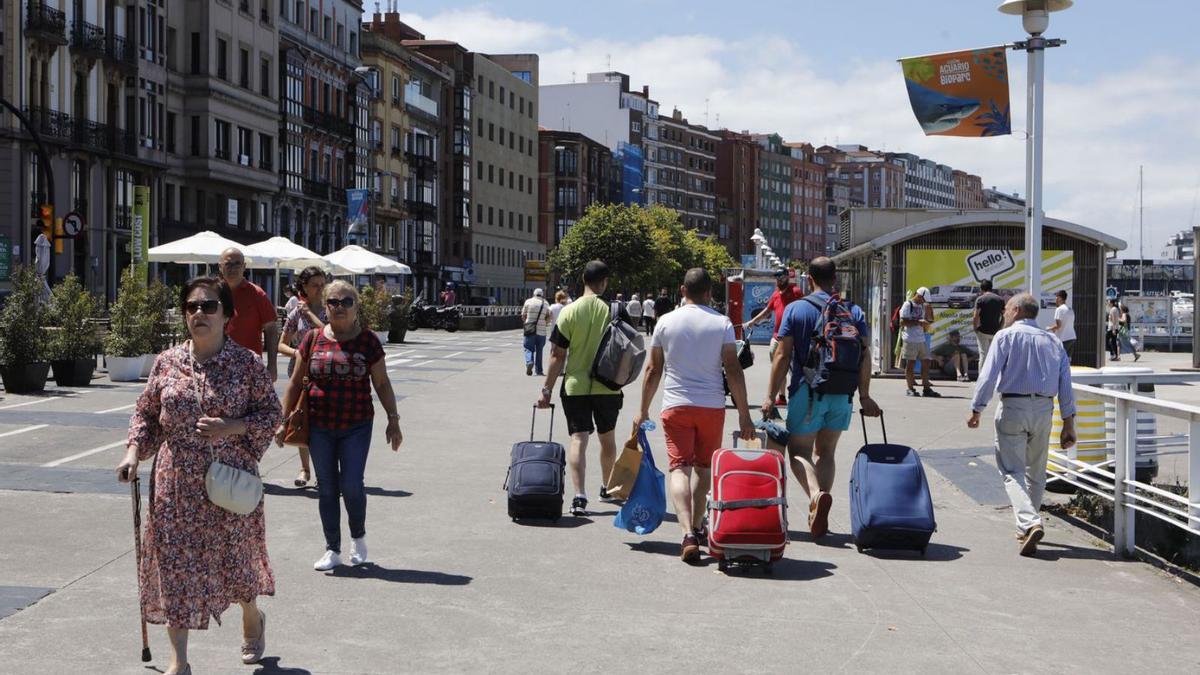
[[890, 506], [535, 476]]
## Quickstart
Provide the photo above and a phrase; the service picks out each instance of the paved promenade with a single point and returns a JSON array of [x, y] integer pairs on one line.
[[456, 587]]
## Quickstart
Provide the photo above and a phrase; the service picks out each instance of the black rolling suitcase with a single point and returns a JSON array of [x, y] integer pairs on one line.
[[536, 475]]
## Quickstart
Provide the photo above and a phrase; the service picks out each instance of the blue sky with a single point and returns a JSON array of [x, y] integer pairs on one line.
[[1123, 92]]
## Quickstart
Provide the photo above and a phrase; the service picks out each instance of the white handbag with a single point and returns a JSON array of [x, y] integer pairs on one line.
[[230, 488]]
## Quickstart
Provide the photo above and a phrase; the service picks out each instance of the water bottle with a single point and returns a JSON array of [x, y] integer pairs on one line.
[[648, 425]]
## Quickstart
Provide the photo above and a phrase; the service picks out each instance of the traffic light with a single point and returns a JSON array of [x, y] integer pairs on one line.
[[46, 217]]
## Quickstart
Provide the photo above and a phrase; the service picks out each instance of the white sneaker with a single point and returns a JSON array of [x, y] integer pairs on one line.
[[327, 562], [358, 551]]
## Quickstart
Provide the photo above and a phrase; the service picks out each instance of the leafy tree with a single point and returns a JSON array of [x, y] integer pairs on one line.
[[616, 234]]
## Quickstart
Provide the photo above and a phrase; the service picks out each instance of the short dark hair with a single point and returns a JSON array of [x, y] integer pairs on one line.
[[224, 295], [595, 272], [985, 285], [823, 271], [1061, 294], [697, 283], [306, 274]]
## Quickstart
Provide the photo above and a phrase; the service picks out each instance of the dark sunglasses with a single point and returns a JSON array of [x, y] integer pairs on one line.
[[346, 303], [206, 306]]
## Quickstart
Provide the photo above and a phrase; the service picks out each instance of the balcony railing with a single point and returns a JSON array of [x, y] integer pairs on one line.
[[414, 97], [221, 153], [337, 195], [420, 210], [50, 124], [122, 141], [91, 135], [316, 189], [46, 23], [397, 151], [119, 50], [327, 122], [87, 39], [419, 162]]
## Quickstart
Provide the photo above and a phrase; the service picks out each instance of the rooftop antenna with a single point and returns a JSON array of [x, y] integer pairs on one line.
[[377, 7], [706, 111], [608, 61]]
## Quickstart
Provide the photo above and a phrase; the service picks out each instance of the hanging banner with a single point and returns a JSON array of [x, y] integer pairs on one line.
[[357, 204], [960, 93], [140, 246]]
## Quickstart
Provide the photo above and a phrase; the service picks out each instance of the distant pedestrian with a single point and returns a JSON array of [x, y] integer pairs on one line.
[[1112, 334], [561, 299], [648, 313], [1029, 367], [342, 362], [634, 308], [309, 315], [254, 325], [536, 318], [816, 420], [662, 305], [690, 348], [1125, 337], [1064, 322], [208, 398], [449, 297], [617, 305], [588, 405], [914, 318], [292, 300], [785, 294], [988, 317]]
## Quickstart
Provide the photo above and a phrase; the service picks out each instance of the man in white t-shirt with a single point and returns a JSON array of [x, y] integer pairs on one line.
[[535, 318], [690, 347], [1064, 322], [648, 312]]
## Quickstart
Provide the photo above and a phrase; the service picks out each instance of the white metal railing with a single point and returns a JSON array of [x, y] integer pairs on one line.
[[1115, 480], [490, 310], [413, 95]]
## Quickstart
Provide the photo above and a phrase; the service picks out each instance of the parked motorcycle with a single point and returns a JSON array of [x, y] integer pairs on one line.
[[425, 315]]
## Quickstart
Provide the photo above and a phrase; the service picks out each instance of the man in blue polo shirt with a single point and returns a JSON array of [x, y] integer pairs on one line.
[[815, 422]]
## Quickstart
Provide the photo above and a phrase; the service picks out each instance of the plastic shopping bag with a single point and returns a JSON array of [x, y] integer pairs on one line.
[[643, 511]]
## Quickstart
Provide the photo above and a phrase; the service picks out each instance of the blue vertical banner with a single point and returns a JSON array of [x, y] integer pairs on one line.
[[356, 210]]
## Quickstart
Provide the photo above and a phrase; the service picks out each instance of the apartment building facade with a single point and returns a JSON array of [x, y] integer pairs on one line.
[[606, 109], [874, 180], [927, 184], [775, 194], [737, 191], [573, 174], [837, 200], [90, 78], [808, 201], [681, 170], [389, 124], [997, 199], [968, 191]]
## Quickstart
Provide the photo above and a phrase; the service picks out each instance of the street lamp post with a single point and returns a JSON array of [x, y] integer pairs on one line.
[[1035, 18]]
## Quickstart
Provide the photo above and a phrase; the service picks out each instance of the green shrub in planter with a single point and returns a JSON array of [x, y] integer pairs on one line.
[[375, 309], [23, 362], [131, 326], [72, 341], [160, 300]]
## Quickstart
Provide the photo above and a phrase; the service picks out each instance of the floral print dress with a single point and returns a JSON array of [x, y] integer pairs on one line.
[[198, 558]]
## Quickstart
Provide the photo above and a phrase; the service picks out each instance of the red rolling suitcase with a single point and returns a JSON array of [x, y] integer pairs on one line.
[[747, 507]]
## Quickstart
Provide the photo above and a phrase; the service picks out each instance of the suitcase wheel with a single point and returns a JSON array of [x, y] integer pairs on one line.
[[722, 566], [860, 548]]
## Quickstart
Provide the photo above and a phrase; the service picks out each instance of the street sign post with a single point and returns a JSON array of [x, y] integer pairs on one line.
[[73, 225], [535, 271]]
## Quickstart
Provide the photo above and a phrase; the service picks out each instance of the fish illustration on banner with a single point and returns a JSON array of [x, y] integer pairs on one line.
[[960, 93]]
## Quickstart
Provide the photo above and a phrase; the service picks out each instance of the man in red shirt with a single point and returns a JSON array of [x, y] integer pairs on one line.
[[254, 315], [785, 294]]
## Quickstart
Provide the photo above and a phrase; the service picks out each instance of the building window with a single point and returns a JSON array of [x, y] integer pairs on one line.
[[171, 132], [491, 89], [196, 54], [264, 77], [245, 143], [340, 38], [222, 59], [265, 154], [244, 68], [195, 135], [222, 140]]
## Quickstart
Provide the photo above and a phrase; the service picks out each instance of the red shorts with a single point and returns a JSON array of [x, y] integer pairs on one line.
[[693, 435]]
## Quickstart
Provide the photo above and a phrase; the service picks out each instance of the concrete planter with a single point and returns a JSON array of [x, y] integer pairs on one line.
[[147, 364], [73, 372], [124, 368], [25, 378]]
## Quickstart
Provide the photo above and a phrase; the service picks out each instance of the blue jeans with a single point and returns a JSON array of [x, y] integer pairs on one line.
[[533, 351], [339, 457]]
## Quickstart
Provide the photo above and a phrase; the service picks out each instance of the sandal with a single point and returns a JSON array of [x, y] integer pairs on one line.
[[302, 478]]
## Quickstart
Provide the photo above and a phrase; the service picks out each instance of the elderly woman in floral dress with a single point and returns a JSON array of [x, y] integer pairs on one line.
[[197, 557]]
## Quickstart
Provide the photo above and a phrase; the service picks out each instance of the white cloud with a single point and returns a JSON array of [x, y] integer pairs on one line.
[[1097, 131]]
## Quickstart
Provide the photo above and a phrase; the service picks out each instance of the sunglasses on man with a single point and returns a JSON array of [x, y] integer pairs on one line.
[[206, 306], [346, 303]]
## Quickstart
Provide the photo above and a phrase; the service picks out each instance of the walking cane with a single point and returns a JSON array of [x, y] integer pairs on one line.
[[135, 493]]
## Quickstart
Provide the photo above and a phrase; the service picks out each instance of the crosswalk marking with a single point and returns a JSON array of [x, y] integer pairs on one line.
[[85, 453], [33, 402], [21, 431], [117, 409]]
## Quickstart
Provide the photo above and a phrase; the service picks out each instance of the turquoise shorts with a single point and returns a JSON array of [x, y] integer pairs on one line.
[[831, 411]]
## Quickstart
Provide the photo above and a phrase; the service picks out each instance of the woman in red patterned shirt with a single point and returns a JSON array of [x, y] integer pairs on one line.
[[342, 362]]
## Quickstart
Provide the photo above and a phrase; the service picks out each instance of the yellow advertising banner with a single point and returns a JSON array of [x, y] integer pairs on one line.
[[953, 276], [960, 93]]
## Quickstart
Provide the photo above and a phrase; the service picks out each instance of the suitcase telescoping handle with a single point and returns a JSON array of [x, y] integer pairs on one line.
[[759, 441], [883, 426], [533, 418]]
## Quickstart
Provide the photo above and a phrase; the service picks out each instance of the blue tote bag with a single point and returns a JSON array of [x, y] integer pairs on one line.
[[643, 511]]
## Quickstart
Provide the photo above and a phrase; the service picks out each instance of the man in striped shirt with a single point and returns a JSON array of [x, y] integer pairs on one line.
[[1029, 367]]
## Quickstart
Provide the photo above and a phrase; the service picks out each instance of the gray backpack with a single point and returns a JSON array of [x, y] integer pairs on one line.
[[620, 356]]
